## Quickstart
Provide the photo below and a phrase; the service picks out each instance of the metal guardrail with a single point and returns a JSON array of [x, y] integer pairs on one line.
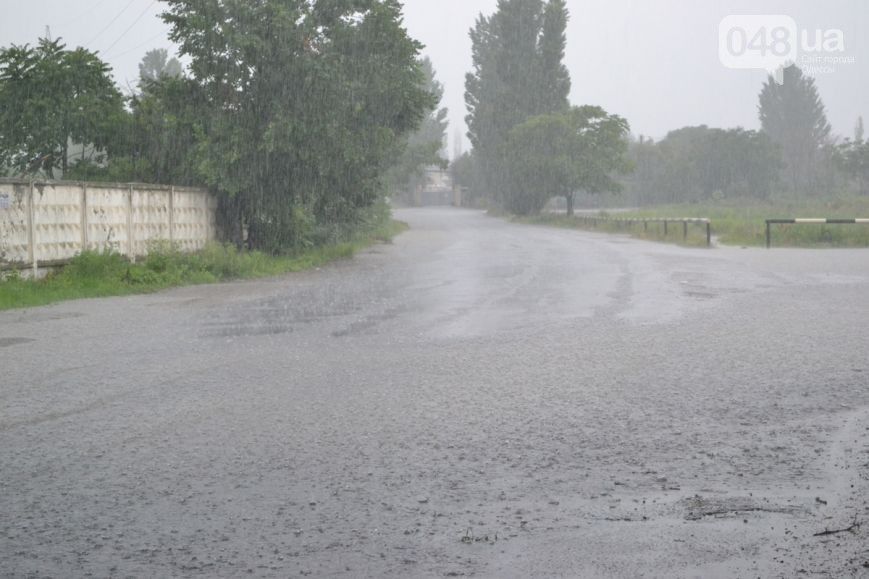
[[771, 222], [685, 221]]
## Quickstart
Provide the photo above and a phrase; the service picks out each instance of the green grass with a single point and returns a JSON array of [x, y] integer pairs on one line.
[[743, 223], [93, 275]]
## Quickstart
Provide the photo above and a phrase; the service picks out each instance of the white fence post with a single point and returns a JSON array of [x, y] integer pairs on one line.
[[131, 238], [171, 215], [31, 232], [84, 217]]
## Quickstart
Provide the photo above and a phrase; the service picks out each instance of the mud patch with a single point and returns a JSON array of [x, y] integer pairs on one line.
[[697, 507], [35, 316], [8, 342]]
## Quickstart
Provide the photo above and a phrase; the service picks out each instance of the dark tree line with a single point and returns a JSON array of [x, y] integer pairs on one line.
[[792, 155], [696, 164]]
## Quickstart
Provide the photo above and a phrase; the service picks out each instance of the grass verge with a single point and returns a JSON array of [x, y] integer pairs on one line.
[[742, 223], [92, 275]]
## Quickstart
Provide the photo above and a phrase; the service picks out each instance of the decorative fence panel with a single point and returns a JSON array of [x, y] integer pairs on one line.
[[46, 223]]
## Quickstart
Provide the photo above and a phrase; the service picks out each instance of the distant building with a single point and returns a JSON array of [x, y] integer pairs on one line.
[[435, 189]]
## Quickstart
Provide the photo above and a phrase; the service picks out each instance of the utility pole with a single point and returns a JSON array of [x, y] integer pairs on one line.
[[457, 144]]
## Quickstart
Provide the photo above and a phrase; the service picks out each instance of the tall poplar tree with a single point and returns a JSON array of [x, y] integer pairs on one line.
[[518, 73], [554, 76], [794, 117]]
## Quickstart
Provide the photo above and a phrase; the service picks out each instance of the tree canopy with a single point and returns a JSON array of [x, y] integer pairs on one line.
[[518, 73], [702, 163], [794, 117], [51, 98], [157, 65], [556, 155], [305, 106]]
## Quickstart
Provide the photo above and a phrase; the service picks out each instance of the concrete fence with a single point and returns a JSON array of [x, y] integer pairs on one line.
[[46, 223]]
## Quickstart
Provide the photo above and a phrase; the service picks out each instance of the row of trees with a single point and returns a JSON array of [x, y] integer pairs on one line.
[[530, 145], [701, 163], [793, 154], [294, 112]]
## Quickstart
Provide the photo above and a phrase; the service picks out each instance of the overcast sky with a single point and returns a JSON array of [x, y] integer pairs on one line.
[[654, 62]]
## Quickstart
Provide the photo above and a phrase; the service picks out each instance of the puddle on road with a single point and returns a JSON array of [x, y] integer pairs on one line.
[[698, 507]]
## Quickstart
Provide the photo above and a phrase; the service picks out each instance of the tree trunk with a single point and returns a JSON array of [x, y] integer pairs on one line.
[[229, 221], [570, 199], [65, 160]]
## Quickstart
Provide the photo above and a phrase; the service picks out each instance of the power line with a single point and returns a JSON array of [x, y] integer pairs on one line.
[[107, 26], [136, 21], [137, 47]]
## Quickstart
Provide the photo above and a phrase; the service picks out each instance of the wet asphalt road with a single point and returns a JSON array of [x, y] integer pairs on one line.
[[477, 399]]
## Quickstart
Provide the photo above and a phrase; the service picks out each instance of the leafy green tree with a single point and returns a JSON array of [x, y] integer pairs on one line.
[[425, 145], [158, 140], [51, 98], [307, 105], [556, 155], [793, 115], [157, 65], [518, 73]]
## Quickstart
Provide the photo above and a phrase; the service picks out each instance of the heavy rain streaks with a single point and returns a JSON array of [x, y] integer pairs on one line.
[[433, 289]]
